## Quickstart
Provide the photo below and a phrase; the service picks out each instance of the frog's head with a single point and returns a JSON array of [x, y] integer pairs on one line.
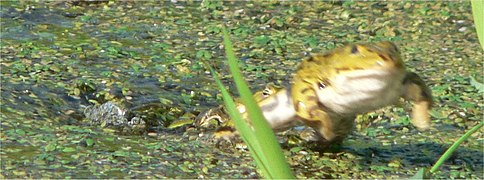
[[260, 96], [380, 55]]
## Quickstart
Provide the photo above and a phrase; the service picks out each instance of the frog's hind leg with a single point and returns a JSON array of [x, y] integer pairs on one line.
[[415, 90]]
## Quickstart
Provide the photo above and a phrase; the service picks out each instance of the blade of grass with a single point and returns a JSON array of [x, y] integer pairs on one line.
[[243, 128], [478, 14], [423, 174], [271, 153], [454, 146]]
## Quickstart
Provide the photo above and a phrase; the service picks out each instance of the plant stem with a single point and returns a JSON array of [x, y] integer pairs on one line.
[[454, 146]]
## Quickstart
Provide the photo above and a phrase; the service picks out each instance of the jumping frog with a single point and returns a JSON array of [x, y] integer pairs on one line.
[[330, 89]]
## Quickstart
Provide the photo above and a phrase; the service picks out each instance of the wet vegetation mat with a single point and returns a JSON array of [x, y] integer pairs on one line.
[[104, 89]]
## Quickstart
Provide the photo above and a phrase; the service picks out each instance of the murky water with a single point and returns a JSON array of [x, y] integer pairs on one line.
[[57, 58]]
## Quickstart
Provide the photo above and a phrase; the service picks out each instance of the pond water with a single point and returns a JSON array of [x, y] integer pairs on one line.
[[59, 58]]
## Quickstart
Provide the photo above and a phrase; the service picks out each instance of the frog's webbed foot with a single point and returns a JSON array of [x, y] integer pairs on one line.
[[315, 141], [416, 91], [312, 136], [328, 130]]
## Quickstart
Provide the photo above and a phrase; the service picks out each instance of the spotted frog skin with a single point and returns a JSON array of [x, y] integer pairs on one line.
[[330, 89]]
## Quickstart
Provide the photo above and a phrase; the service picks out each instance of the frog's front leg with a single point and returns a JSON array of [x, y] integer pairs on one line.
[[416, 90]]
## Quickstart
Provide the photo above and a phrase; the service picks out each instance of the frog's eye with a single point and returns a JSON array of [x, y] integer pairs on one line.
[[321, 85], [266, 92], [354, 49]]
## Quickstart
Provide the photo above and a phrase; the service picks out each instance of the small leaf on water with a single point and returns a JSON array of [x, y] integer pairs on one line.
[[479, 86], [437, 114], [296, 149], [121, 153], [68, 149], [180, 123], [262, 40], [20, 132], [89, 142], [50, 147], [421, 174]]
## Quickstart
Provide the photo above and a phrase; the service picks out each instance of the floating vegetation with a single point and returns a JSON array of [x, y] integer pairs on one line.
[[144, 59]]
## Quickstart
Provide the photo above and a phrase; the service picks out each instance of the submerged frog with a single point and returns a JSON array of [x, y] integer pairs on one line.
[[220, 118], [330, 89]]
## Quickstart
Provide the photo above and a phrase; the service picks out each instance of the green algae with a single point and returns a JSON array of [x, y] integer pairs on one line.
[[75, 55]]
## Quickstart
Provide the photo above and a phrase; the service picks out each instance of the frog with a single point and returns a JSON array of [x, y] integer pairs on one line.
[[329, 90], [219, 116]]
